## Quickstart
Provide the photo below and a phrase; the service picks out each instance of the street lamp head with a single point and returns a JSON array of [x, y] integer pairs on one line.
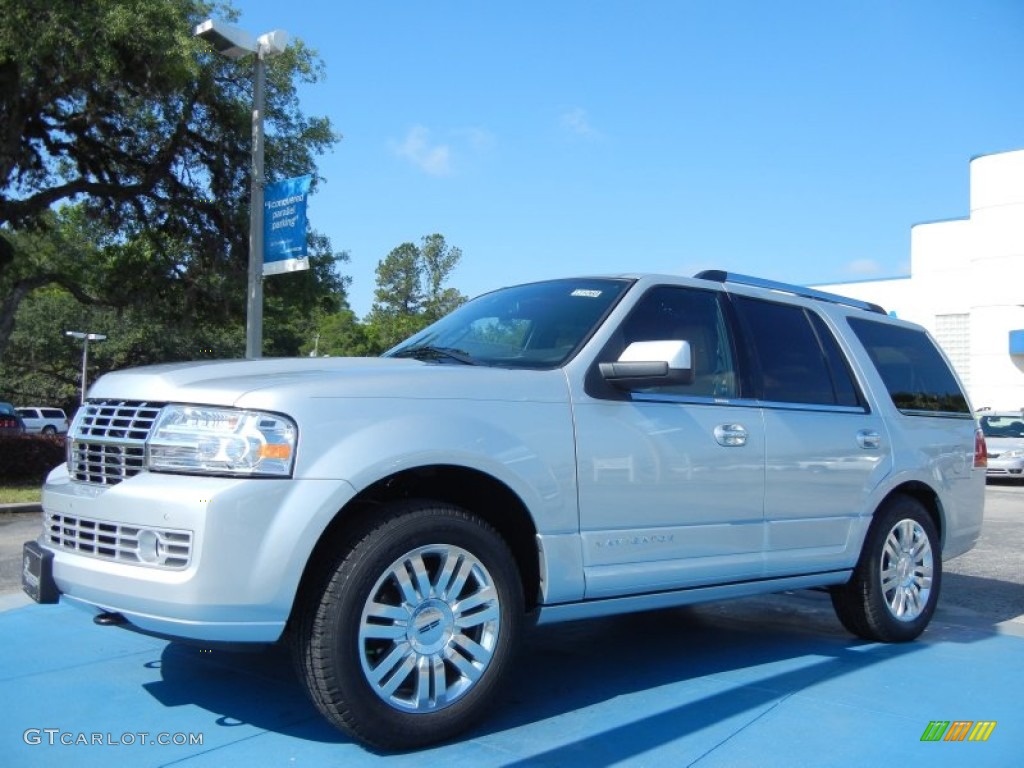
[[82, 335], [227, 38], [273, 43]]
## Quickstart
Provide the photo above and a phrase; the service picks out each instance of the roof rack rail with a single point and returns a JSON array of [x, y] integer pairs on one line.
[[721, 276]]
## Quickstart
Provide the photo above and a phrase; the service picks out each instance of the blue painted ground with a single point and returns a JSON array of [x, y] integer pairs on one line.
[[767, 682]]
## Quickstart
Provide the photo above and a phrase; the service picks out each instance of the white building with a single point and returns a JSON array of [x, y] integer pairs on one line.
[[966, 284]]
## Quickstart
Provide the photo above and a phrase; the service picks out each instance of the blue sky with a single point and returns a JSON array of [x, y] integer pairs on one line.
[[795, 139]]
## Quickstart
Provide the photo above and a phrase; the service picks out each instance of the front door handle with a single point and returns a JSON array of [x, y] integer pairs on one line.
[[731, 435], [869, 439]]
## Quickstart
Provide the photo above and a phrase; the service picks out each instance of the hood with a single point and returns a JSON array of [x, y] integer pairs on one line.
[[266, 382]]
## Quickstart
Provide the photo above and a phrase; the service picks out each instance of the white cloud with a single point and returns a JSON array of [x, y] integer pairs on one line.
[[479, 139], [577, 122], [863, 267], [416, 147]]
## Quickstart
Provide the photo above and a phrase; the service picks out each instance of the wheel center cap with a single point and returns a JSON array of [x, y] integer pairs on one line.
[[905, 568], [431, 627]]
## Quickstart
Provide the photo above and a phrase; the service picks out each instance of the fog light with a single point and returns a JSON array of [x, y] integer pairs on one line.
[[149, 546]]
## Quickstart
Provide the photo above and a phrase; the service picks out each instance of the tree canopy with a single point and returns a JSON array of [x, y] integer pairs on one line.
[[113, 110], [411, 290], [124, 201]]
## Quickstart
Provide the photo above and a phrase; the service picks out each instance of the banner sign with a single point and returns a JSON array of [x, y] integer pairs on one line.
[[284, 226]]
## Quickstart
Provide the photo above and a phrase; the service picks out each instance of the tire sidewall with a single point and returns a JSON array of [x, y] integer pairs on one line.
[[363, 567], [900, 509]]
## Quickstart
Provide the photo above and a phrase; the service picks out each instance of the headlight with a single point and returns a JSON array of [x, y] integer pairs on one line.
[[1016, 453], [218, 441]]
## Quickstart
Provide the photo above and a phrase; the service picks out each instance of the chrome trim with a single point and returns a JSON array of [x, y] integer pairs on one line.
[[107, 440], [652, 397], [721, 276], [132, 544]]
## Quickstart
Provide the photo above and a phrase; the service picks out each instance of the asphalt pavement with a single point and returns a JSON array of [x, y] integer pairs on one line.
[[769, 681]]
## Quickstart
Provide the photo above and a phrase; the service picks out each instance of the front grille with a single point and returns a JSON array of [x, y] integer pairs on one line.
[[157, 547], [108, 440]]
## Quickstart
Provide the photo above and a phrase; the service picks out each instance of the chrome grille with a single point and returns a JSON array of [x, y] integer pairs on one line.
[[108, 440], [157, 547]]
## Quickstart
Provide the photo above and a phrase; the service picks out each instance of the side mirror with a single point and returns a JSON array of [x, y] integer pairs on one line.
[[650, 364]]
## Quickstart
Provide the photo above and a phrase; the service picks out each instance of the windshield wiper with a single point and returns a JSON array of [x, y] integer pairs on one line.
[[429, 352]]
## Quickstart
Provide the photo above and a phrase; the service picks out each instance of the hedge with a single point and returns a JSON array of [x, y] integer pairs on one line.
[[29, 458]]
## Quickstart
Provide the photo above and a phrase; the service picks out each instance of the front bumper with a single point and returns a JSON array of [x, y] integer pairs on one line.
[[1013, 468], [249, 541]]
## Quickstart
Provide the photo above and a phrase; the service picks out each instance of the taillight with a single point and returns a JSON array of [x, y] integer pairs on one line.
[[980, 450]]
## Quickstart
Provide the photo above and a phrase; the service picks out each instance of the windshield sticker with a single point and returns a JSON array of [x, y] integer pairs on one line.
[[586, 292]]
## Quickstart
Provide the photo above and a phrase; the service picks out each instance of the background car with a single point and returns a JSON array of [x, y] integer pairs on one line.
[[10, 422], [1004, 436], [48, 421]]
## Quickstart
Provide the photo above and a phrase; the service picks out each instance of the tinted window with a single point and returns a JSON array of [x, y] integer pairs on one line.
[[912, 368], [845, 389], [687, 314], [794, 368], [52, 413]]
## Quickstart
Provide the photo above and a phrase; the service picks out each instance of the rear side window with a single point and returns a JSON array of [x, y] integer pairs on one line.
[[52, 413], [914, 372], [798, 358]]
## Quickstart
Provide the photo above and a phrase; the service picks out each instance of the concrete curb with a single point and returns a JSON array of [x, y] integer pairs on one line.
[[26, 506]]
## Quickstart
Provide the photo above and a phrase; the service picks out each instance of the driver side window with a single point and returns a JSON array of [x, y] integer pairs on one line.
[[688, 314]]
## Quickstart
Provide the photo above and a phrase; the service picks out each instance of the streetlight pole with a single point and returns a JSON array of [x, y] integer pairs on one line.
[[254, 307], [86, 338], [235, 43]]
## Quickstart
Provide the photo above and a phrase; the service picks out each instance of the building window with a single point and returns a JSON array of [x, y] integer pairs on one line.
[[953, 332]]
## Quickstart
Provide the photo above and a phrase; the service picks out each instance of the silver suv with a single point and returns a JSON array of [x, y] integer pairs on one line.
[[547, 452]]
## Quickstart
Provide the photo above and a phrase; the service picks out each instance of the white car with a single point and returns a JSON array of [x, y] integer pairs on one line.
[[1004, 436], [46, 421]]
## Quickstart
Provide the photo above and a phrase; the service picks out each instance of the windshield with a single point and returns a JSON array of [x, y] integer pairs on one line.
[[1003, 425], [539, 325]]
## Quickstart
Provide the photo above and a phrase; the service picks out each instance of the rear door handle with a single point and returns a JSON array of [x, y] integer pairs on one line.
[[731, 435], [869, 439]]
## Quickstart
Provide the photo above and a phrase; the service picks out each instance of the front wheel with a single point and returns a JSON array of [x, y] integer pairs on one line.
[[895, 586], [413, 627]]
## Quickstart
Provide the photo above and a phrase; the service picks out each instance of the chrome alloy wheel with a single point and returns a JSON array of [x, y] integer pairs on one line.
[[429, 628], [906, 570]]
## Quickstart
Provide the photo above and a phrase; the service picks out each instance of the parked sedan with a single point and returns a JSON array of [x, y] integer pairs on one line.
[[10, 421], [1004, 435]]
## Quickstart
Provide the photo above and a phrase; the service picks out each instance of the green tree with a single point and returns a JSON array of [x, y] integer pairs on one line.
[[44, 366], [114, 106], [411, 290], [438, 259], [339, 334]]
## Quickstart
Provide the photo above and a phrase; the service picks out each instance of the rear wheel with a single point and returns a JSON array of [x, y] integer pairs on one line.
[[49, 429], [413, 627], [895, 586]]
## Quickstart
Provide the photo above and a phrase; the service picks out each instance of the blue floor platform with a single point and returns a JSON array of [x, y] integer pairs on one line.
[[768, 682]]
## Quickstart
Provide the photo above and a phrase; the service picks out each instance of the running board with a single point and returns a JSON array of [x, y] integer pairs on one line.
[[589, 609]]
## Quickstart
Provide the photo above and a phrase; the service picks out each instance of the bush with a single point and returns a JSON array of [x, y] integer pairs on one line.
[[29, 458]]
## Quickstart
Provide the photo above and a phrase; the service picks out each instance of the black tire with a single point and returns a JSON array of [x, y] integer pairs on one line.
[[49, 429], [895, 586], [339, 645]]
